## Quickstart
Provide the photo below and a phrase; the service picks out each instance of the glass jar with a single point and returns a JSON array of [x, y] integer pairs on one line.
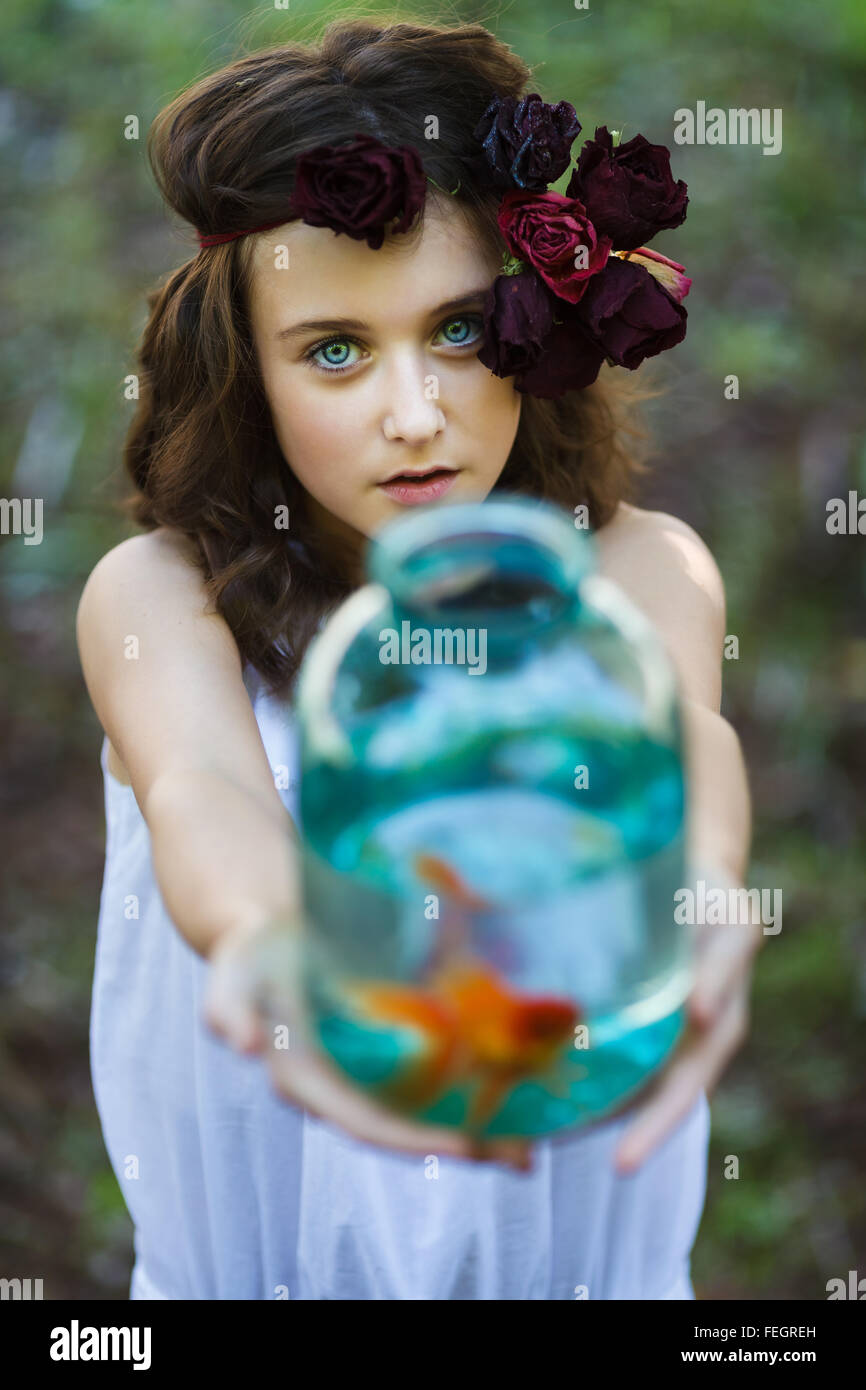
[[492, 826]]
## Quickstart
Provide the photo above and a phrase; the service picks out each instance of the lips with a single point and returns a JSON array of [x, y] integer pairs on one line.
[[417, 488], [414, 477]]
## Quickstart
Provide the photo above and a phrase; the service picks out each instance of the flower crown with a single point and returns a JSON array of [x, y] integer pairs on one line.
[[577, 285]]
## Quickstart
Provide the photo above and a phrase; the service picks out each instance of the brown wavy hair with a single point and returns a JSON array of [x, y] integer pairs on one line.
[[201, 450]]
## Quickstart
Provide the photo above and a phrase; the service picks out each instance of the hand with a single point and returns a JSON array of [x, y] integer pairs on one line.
[[253, 988], [717, 1024]]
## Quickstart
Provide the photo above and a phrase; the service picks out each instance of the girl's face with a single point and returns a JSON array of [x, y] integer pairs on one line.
[[368, 362]]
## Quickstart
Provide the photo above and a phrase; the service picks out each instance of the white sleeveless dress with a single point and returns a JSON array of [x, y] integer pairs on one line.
[[236, 1194]]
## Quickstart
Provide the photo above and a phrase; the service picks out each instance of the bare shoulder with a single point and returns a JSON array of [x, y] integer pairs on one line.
[[160, 556], [147, 580], [139, 587], [649, 545], [138, 582], [162, 667], [670, 573]]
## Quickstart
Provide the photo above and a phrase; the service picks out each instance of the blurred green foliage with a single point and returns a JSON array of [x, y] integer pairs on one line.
[[775, 247]]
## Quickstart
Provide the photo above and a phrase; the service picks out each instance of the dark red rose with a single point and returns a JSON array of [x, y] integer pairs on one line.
[[358, 188], [628, 191], [547, 230], [518, 315], [526, 142], [670, 274], [569, 360], [628, 315]]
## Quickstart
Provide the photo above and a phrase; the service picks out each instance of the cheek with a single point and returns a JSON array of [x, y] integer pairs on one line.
[[315, 437], [318, 432], [499, 408], [484, 403]]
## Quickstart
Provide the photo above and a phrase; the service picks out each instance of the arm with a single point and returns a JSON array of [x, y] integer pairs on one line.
[[179, 716], [667, 571], [720, 814], [224, 848]]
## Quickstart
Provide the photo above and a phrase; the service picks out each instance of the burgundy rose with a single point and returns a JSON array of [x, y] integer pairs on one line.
[[628, 191], [569, 360], [670, 274], [628, 315], [526, 142], [518, 315], [548, 230], [358, 188]]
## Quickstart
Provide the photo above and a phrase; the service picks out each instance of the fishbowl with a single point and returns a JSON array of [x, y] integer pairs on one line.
[[492, 806]]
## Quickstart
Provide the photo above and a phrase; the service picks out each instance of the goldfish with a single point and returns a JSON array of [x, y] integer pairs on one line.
[[448, 881], [476, 1027], [460, 901]]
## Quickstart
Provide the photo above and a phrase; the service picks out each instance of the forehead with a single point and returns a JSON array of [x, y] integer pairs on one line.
[[337, 275]]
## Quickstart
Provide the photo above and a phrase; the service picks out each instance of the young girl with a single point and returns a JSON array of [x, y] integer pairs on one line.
[[288, 364]]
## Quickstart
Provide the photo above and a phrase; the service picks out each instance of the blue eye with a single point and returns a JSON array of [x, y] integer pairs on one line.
[[463, 319], [332, 367]]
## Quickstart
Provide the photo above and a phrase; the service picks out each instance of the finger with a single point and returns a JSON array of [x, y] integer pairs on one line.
[[308, 1077], [315, 1085], [696, 1067], [277, 992], [226, 1010], [237, 1026], [725, 955], [248, 1035], [264, 972]]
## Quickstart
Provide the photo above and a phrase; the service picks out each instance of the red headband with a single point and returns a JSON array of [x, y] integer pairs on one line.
[[218, 238]]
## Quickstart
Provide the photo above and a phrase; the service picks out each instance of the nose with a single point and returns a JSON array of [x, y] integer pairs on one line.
[[414, 415]]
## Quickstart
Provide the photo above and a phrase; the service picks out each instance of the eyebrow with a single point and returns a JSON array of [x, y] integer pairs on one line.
[[310, 325]]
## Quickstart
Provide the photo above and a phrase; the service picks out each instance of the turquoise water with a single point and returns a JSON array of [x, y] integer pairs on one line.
[[566, 913], [510, 802], [606, 770], [581, 1087]]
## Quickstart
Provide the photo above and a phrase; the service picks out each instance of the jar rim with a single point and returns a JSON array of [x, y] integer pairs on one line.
[[513, 516]]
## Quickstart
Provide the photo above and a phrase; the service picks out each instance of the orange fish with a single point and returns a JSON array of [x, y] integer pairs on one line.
[[475, 1028], [448, 881], [459, 902]]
